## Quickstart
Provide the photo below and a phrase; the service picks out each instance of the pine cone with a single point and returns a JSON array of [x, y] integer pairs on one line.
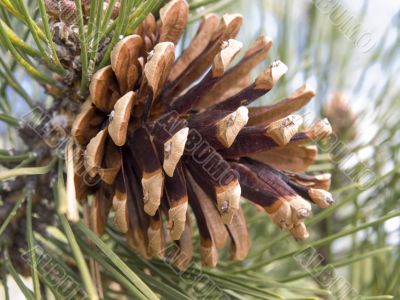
[[344, 119], [65, 10], [157, 135]]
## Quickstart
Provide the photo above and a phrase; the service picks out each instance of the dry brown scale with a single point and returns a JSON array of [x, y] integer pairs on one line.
[[159, 134]]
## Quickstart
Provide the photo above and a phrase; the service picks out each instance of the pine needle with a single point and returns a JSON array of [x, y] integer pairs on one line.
[[31, 250], [80, 260], [117, 261], [27, 171], [12, 213]]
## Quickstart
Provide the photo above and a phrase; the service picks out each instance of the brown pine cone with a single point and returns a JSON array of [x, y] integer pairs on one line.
[[159, 134]]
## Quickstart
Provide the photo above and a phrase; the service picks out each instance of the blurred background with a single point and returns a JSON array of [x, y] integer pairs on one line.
[[348, 52]]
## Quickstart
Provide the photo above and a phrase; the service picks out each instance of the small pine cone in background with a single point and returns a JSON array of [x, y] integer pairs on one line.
[[65, 10], [343, 119], [115, 10], [344, 128], [160, 134]]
